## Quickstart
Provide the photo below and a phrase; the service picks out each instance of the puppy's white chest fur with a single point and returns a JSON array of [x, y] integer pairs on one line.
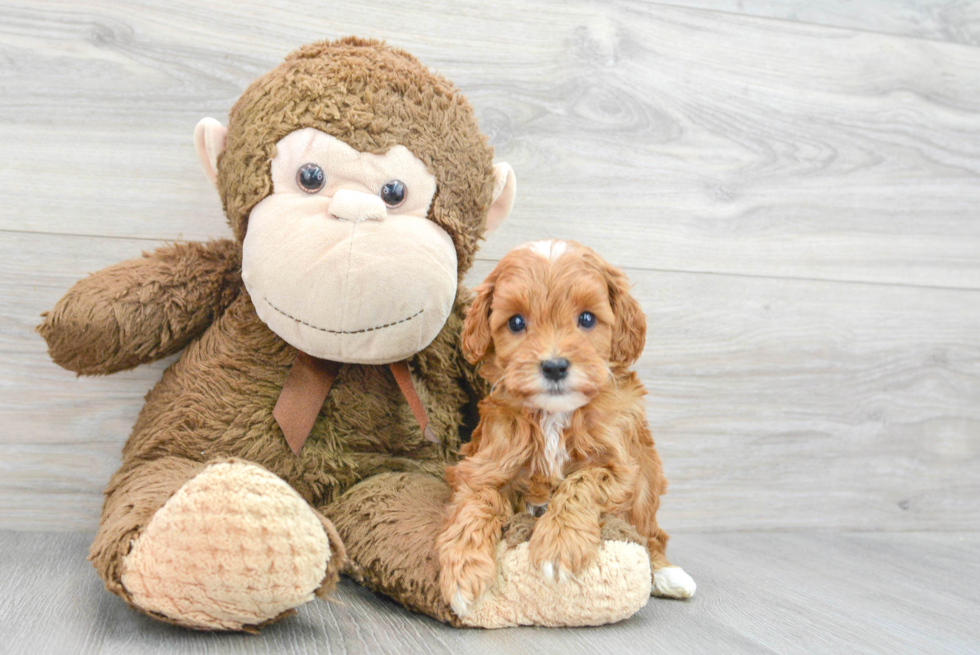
[[553, 426]]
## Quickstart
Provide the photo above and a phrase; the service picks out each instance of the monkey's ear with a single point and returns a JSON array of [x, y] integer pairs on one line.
[[504, 192], [209, 141]]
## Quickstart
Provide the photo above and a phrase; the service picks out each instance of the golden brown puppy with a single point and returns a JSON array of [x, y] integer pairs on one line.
[[555, 331]]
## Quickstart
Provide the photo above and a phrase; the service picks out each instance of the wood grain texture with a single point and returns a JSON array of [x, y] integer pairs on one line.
[[956, 21], [681, 139], [775, 403], [797, 204], [757, 593], [793, 187]]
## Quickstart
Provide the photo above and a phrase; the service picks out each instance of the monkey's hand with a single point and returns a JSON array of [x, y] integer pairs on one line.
[[141, 310]]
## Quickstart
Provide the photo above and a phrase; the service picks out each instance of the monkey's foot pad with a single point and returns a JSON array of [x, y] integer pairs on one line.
[[613, 589], [234, 547]]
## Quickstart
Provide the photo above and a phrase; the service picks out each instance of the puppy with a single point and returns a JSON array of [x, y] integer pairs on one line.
[[554, 330]]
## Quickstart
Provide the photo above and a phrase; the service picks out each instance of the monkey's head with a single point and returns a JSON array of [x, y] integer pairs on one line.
[[359, 185]]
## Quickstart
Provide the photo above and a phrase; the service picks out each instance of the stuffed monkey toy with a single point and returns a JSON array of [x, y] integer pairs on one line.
[[320, 391]]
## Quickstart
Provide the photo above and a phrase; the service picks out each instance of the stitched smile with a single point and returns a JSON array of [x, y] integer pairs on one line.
[[370, 329]]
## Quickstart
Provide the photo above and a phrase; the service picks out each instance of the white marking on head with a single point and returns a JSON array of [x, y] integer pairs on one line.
[[550, 249]]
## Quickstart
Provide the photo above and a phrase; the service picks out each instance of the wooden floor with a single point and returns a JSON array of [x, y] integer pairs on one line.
[[793, 185], [806, 593]]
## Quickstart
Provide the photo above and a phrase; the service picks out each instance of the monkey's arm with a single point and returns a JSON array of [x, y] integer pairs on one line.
[[143, 309]]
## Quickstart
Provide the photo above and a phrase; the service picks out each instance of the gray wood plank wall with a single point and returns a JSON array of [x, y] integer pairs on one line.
[[793, 186]]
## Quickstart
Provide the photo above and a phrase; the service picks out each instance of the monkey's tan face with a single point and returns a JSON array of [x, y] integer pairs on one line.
[[340, 259]]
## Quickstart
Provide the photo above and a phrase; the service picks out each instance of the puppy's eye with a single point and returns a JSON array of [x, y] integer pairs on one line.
[[516, 323], [310, 178], [393, 193], [586, 320]]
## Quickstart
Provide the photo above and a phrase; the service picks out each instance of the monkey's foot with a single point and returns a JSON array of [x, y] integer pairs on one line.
[[390, 522], [233, 548], [611, 589]]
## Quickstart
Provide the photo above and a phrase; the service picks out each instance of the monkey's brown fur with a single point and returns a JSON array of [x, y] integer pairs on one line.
[[373, 99], [216, 402]]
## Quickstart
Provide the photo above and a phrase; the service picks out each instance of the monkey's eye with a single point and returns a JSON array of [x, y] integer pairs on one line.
[[393, 193], [586, 320], [310, 178], [517, 323]]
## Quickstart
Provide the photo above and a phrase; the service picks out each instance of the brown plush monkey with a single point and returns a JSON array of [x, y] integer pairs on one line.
[[357, 185]]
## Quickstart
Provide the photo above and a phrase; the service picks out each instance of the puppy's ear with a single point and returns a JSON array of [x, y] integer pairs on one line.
[[630, 331], [475, 340]]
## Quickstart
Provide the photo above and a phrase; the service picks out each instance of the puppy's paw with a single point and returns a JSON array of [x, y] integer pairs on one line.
[[460, 603], [559, 552], [461, 592], [552, 571], [464, 576], [673, 582], [556, 572]]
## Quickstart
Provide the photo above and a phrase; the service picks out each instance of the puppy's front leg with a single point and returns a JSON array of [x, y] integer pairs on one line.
[[566, 539], [467, 546]]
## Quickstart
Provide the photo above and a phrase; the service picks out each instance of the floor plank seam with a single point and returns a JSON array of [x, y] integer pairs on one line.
[[825, 26]]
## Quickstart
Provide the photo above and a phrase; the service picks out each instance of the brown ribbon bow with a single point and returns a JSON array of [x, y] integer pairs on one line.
[[307, 386]]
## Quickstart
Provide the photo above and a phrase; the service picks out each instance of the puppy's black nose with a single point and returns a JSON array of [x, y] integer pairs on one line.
[[555, 369]]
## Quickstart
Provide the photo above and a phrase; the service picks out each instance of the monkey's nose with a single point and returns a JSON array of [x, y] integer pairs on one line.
[[555, 369], [356, 206]]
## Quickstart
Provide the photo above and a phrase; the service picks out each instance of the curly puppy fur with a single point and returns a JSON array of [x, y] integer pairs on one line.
[[577, 441]]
